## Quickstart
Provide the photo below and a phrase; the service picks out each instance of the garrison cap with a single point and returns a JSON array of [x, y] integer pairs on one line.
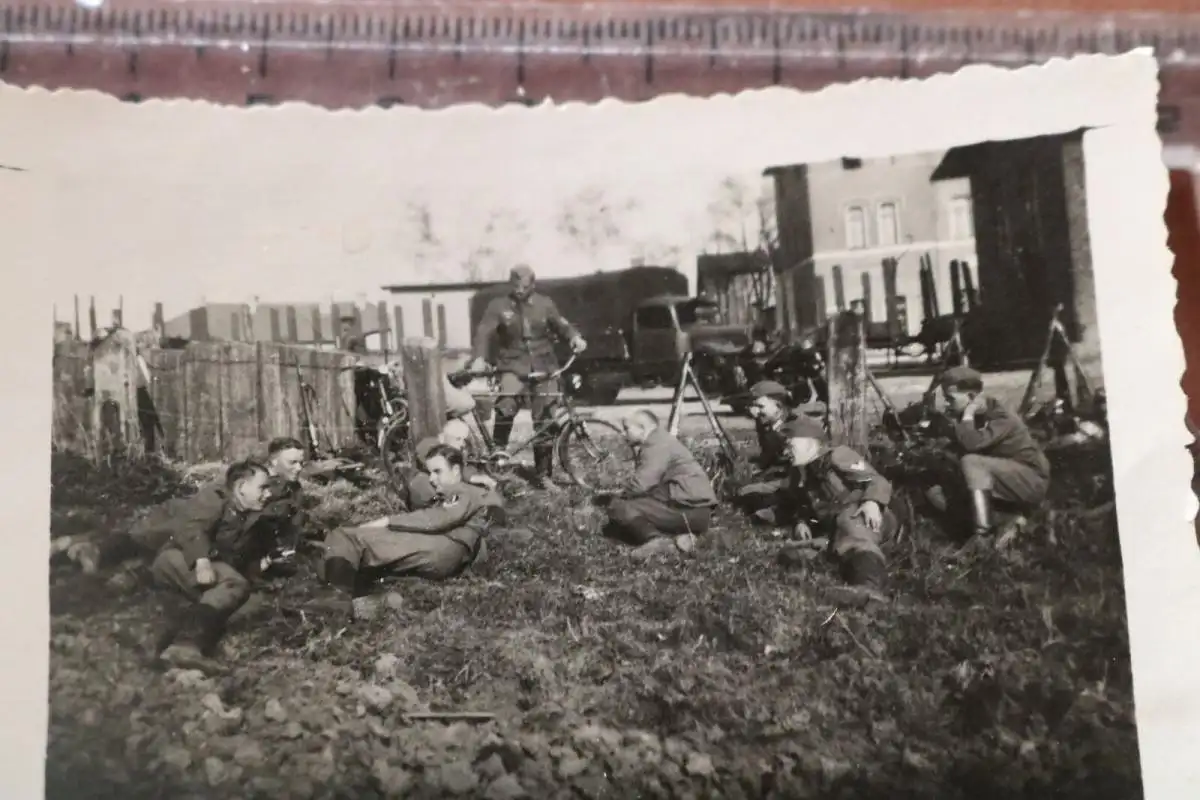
[[772, 389], [801, 427], [961, 377], [521, 271]]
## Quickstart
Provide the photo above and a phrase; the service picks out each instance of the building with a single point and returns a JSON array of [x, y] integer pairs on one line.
[[298, 323], [1029, 200], [839, 220]]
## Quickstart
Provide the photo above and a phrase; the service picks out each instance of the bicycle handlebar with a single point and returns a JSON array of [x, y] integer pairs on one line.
[[462, 377]]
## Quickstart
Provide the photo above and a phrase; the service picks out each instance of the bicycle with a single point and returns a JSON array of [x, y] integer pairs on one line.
[[591, 451]]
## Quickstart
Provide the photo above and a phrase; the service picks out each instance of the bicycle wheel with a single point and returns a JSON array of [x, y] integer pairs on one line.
[[595, 454], [398, 451]]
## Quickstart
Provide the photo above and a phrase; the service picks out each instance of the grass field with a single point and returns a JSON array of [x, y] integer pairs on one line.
[[721, 674]]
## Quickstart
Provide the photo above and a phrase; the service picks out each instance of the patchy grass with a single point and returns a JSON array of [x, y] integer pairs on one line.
[[717, 675]]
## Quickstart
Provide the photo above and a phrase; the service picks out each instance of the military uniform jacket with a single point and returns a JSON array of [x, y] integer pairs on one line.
[[464, 513], [525, 332], [840, 478], [209, 525], [668, 470], [998, 432]]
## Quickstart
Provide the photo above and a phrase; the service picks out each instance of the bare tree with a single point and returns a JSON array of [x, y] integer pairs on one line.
[[499, 243], [744, 220], [592, 221]]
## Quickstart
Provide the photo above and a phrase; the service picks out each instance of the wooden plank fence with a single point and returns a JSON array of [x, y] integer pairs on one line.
[[213, 401]]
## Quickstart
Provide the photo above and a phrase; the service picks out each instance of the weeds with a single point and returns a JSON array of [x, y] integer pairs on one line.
[[718, 675]]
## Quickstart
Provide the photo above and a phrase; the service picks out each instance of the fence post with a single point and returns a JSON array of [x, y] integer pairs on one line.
[[423, 381], [847, 382], [114, 407]]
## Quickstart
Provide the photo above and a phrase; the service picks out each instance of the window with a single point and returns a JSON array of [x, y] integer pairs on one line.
[[698, 312], [962, 224], [888, 221], [655, 318], [856, 228]]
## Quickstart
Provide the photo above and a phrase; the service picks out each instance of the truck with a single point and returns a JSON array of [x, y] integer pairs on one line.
[[638, 323]]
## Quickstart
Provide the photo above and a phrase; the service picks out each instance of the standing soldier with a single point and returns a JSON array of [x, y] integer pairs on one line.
[[525, 322], [1000, 461]]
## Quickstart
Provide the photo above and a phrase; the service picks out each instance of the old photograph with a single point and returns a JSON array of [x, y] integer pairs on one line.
[[626, 451]]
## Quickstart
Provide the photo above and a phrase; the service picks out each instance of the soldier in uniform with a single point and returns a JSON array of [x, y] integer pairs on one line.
[[436, 542], [670, 498], [525, 322], [283, 518], [766, 498], [213, 542], [999, 464]]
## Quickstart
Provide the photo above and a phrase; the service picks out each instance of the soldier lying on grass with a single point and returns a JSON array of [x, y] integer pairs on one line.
[[418, 490], [213, 545], [281, 525], [670, 498], [436, 542], [1001, 464]]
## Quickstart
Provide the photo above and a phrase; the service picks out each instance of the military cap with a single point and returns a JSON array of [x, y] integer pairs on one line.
[[804, 428], [961, 377], [771, 389], [521, 271]]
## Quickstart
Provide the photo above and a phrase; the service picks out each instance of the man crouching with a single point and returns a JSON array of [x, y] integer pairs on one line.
[[1000, 464], [209, 550], [670, 498], [435, 542]]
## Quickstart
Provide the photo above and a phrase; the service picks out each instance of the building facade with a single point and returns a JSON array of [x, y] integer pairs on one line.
[[1030, 201], [839, 221]]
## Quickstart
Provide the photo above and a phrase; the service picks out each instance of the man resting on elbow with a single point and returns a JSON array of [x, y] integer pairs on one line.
[[670, 498], [436, 542]]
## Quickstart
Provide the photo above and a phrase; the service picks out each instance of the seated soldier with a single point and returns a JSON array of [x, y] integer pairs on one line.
[[670, 498], [837, 490], [283, 518], [419, 490], [1000, 461], [212, 543], [435, 543], [766, 498]]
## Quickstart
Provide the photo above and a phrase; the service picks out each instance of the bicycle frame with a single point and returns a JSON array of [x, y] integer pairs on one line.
[[544, 428]]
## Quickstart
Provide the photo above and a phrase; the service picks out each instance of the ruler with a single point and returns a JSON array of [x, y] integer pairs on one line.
[[360, 53]]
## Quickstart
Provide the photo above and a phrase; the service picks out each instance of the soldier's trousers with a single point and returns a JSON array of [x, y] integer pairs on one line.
[[381, 552], [637, 520], [1005, 480], [851, 534], [542, 398], [227, 595]]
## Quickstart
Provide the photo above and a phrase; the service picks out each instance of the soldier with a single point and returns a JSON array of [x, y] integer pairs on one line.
[[212, 544], [436, 543], [837, 491], [1000, 461], [419, 488], [670, 498], [525, 322], [283, 518], [766, 498]]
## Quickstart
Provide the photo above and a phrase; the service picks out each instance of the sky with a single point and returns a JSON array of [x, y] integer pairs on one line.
[[185, 203]]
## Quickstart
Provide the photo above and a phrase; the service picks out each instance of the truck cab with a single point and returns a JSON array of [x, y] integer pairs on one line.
[[664, 328]]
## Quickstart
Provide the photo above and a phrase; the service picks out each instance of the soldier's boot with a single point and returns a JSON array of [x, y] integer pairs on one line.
[[337, 595], [981, 512], [864, 574], [502, 430], [543, 467], [196, 640]]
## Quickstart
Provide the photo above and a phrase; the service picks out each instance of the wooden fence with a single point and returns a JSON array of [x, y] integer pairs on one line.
[[214, 401]]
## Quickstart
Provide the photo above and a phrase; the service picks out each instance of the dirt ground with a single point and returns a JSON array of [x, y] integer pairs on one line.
[[720, 674]]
